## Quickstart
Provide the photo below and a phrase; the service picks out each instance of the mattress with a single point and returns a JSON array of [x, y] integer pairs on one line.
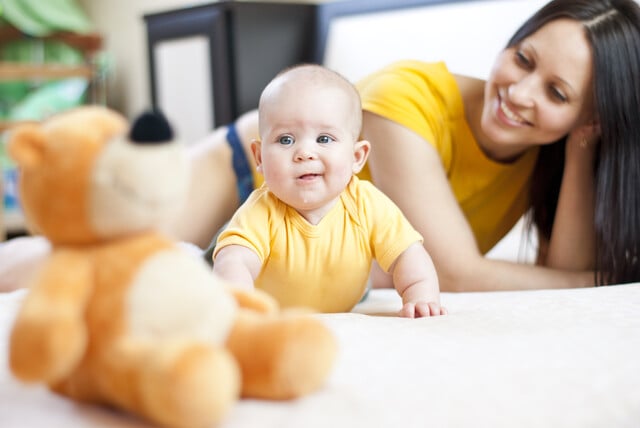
[[545, 358]]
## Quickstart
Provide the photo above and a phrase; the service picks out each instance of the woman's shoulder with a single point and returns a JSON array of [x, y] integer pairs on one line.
[[434, 74], [427, 86], [408, 71], [470, 87], [424, 97]]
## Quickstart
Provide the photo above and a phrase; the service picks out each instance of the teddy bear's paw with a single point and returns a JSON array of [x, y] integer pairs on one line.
[[46, 349], [255, 300], [193, 386], [283, 357]]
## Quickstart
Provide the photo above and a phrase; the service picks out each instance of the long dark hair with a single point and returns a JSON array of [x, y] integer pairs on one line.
[[613, 30]]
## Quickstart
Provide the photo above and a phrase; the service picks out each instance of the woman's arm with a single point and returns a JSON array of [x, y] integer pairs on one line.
[[410, 172], [572, 243]]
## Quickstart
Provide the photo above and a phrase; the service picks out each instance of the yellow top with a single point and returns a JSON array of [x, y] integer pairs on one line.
[[323, 266], [425, 98]]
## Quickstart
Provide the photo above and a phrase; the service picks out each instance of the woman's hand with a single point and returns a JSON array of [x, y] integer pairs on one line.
[[572, 243], [582, 142]]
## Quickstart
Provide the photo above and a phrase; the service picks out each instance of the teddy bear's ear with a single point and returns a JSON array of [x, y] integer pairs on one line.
[[151, 127], [26, 145]]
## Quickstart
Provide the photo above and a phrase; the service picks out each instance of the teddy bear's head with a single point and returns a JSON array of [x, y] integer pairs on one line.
[[85, 177]]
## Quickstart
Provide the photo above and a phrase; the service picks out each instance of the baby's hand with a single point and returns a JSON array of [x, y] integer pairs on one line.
[[415, 279], [422, 309]]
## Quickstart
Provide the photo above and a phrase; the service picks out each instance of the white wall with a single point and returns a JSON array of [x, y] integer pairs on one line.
[[466, 35], [122, 25]]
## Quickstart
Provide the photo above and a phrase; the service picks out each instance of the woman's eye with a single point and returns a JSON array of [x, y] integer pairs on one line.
[[285, 140], [557, 94], [324, 139], [523, 60]]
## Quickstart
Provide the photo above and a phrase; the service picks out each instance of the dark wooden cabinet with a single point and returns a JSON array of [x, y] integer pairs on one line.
[[250, 42]]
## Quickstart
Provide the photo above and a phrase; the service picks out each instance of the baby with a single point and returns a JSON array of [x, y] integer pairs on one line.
[[309, 234]]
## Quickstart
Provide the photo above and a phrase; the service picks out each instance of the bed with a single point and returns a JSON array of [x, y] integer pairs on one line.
[[565, 358]]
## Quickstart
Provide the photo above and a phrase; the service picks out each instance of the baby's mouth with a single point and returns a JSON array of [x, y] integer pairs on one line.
[[309, 176]]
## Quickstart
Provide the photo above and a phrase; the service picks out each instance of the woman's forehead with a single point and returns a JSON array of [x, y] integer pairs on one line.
[[562, 49]]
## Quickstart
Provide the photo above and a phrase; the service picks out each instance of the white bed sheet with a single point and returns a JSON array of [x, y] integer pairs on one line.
[[567, 358]]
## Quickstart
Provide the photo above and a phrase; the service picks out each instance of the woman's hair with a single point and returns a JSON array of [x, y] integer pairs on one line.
[[612, 27]]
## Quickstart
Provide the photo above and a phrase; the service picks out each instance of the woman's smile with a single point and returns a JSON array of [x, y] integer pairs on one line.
[[509, 116]]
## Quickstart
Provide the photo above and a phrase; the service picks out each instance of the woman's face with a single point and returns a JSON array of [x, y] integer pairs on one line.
[[539, 89]]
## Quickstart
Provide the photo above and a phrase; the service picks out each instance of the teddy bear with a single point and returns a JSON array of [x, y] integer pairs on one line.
[[119, 314]]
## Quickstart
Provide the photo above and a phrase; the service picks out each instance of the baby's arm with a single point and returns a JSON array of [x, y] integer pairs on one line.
[[415, 279], [238, 265]]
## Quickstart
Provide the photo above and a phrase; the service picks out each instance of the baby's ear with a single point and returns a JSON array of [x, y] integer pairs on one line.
[[361, 151], [256, 146], [26, 145]]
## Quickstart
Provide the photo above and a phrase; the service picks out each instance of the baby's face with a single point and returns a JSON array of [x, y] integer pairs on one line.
[[308, 146]]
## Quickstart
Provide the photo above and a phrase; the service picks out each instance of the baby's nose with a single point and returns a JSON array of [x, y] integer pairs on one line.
[[303, 156], [305, 152]]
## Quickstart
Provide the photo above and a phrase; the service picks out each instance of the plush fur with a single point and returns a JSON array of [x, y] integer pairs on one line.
[[119, 314]]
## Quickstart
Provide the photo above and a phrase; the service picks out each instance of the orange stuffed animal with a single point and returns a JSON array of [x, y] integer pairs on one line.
[[121, 315]]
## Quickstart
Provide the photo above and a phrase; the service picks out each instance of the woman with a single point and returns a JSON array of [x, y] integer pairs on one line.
[[567, 83], [554, 131], [555, 128]]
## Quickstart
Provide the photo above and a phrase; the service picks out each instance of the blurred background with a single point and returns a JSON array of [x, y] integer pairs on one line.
[[205, 62]]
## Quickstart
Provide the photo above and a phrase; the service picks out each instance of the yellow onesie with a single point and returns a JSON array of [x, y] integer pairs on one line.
[[323, 266], [424, 97]]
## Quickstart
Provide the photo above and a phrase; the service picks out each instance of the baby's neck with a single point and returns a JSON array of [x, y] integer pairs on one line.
[[315, 215]]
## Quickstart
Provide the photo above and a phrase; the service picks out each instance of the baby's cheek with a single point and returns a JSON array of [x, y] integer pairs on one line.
[[272, 176]]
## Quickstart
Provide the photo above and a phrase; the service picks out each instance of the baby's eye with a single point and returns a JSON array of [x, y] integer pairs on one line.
[[324, 139], [286, 140]]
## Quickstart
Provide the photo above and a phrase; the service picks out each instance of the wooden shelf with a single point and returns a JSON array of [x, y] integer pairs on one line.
[[12, 222], [85, 42], [24, 71], [88, 44]]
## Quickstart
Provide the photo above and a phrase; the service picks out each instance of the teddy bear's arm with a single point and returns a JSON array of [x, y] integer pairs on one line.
[[255, 300], [49, 336]]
